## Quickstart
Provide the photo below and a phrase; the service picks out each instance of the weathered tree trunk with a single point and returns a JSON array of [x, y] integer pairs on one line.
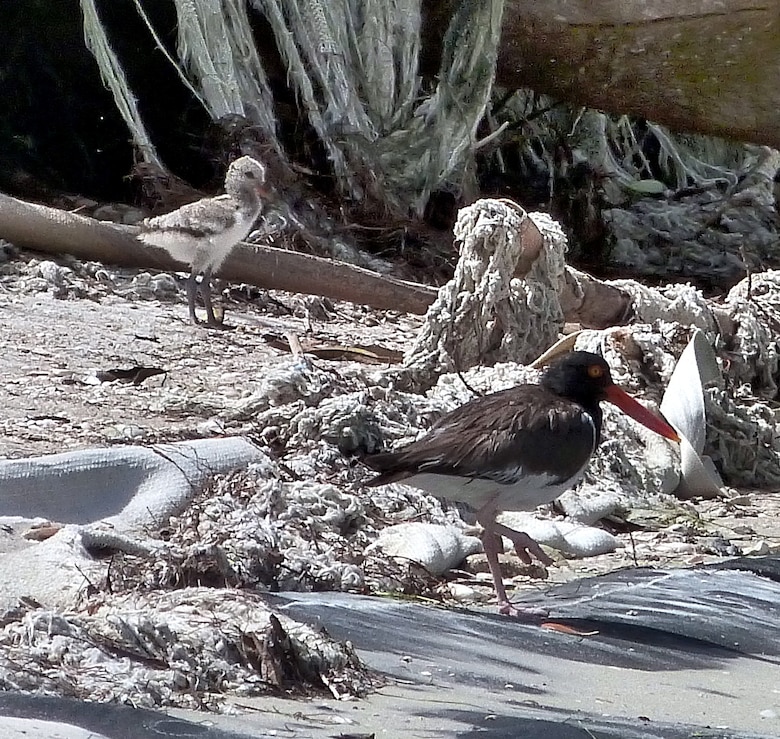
[[585, 300], [57, 232], [706, 66]]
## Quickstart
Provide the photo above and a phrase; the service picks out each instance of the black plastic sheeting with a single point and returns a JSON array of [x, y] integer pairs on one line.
[[116, 722], [650, 620]]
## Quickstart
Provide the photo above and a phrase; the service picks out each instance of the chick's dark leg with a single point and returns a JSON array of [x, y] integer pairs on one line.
[[205, 292], [192, 290]]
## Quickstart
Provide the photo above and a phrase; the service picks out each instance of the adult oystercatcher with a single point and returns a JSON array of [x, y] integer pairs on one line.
[[203, 233], [515, 449]]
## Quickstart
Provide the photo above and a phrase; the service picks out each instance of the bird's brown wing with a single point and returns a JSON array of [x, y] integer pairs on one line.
[[503, 436], [202, 218]]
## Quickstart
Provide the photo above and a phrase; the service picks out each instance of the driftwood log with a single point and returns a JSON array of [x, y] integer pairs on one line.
[[53, 231], [586, 300], [709, 66]]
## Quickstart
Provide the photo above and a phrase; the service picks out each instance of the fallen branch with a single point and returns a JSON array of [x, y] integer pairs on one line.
[[585, 300], [684, 65], [52, 231]]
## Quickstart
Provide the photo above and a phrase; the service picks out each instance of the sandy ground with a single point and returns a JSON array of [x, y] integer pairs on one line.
[[54, 346], [56, 338]]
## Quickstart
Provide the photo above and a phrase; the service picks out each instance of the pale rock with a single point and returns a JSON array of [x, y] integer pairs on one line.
[[573, 539], [435, 547]]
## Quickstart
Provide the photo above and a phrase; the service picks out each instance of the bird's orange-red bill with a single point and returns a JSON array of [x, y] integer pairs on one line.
[[638, 412]]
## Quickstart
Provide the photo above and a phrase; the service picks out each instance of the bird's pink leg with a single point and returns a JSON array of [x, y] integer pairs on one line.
[[491, 543]]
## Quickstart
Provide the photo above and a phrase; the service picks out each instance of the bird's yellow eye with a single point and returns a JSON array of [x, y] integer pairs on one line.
[[595, 371]]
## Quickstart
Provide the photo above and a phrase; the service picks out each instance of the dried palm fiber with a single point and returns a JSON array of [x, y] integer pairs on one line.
[[307, 47], [218, 63], [191, 648], [677, 204], [314, 432], [114, 78], [485, 314], [742, 428], [356, 74], [611, 146], [722, 221], [614, 147], [164, 51], [744, 328], [218, 51]]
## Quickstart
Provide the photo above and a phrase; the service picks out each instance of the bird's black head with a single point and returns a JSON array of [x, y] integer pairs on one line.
[[585, 378], [580, 376]]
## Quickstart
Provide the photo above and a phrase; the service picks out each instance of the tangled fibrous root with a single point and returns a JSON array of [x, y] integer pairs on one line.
[[188, 648], [487, 313]]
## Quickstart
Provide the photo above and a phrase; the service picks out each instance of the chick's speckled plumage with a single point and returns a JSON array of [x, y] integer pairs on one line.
[[202, 234]]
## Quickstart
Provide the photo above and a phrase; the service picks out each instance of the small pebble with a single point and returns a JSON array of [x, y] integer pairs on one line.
[[756, 548], [461, 592]]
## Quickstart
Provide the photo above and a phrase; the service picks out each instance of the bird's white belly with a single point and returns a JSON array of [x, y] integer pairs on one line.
[[199, 252], [180, 246], [525, 495], [213, 253]]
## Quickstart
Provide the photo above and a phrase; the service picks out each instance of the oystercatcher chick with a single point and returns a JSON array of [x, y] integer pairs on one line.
[[515, 450], [203, 233]]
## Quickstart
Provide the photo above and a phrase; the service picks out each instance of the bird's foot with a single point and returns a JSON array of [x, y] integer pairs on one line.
[[217, 325], [215, 322], [530, 614], [526, 547], [538, 617]]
